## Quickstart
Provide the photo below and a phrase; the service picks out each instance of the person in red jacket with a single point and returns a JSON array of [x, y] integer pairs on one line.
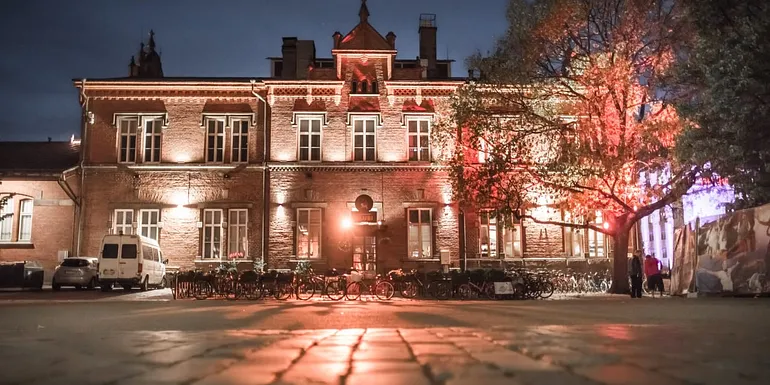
[[654, 278]]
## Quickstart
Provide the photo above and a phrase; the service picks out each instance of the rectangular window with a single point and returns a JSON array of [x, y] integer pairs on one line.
[[240, 151], [488, 234], [308, 233], [420, 233], [6, 220], [148, 223], [127, 148], [128, 251], [25, 220], [215, 140], [110, 251], [310, 138], [512, 241], [212, 234], [419, 140], [237, 234], [573, 242], [596, 239], [483, 154], [123, 222], [152, 129], [364, 139]]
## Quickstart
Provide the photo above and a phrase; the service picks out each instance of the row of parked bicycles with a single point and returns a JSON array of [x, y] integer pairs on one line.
[[304, 284]]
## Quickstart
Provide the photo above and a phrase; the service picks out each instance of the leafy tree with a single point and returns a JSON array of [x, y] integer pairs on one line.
[[724, 80], [567, 116]]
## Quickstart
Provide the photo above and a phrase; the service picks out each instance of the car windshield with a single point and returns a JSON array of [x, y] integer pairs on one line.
[[110, 251], [74, 263]]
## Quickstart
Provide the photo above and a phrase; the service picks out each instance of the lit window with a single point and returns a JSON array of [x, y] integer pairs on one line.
[[149, 223], [488, 234], [512, 237], [237, 234], [310, 138], [364, 139], [573, 242], [25, 220], [152, 130], [127, 148], [308, 233], [419, 139], [6, 219], [483, 152], [215, 140], [420, 233], [123, 222], [240, 148], [596, 244], [212, 234]]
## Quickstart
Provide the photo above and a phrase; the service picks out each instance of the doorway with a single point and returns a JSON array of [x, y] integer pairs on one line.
[[365, 252]]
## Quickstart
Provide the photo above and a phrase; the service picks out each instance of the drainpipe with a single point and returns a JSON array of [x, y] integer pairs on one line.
[[83, 150], [66, 187], [265, 172], [463, 260]]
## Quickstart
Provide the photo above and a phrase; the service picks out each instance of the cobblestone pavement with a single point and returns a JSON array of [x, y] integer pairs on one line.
[[559, 354]]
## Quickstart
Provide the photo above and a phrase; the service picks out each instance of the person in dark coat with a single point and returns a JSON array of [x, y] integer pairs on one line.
[[635, 273]]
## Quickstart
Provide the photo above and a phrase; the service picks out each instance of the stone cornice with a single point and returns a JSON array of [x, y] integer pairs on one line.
[[356, 167]]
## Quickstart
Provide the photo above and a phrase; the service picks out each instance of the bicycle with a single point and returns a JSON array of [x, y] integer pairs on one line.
[[331, 285], [470, 289], [440, 289], [383, 290]]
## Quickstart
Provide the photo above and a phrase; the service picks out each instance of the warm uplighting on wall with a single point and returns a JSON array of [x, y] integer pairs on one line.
[[179, 198], [347, 223], [283, 156], [182, 158]]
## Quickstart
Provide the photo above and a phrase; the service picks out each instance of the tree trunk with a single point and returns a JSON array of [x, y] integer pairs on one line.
[[620, 284]]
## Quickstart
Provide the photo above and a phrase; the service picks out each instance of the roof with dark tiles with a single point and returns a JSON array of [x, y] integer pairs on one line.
[[42, 157]]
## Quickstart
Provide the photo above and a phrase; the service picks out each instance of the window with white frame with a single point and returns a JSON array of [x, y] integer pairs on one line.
[[308, 233], [152, 131], [240, 145], [573, 242], [420, 233], [483, 154], [512, 236], [596, 243], [215, 140], [488, 234], [123, 221], [364, 142], [25, 220], [212, 234], [419, 139], [237, 233], [310, 138], [128, 131], [6, 220], [149, 223]]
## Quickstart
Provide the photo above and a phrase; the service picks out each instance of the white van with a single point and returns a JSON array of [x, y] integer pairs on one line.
[[131, 261]]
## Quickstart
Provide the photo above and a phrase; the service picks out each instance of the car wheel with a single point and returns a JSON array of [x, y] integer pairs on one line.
[[144, 286], [55, 286]]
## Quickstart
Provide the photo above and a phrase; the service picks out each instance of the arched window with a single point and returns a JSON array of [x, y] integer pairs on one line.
[[374, 87], [354, 87], [6, 218], [364, 86]]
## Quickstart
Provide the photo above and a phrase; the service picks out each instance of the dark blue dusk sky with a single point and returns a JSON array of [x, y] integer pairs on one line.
[[46, 43]]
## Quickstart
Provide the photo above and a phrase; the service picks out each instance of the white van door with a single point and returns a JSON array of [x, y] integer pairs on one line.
[[108, 262], [129, 259]]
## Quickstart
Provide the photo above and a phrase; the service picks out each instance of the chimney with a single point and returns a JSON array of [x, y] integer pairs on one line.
[[337, 37], [305, 57], [427, 33], [289, 54], [391, 37]]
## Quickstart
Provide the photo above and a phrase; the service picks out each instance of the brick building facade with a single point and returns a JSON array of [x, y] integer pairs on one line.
[[39, 184], [271, 169]]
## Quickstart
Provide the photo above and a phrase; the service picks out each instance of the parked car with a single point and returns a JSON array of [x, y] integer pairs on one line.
[[78, 272], [130, 261], [22, 274]]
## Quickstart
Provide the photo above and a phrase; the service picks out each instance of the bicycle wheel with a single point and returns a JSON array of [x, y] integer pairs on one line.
[[489, 290], [306, 290], [464, 291], [230, 290], [335, 290], [604, 287], [283, 291], [384, 290], [202, 290], [546, 289], [440, 290], [251, 291], [409, 289], [353, 291]]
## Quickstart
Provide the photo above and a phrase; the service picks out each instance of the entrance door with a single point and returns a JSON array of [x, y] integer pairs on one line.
[[365, 252]]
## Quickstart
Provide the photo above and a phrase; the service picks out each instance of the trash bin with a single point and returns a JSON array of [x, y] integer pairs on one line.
[[25, 274]]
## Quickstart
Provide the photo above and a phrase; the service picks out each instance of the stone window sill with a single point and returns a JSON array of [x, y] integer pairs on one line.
[[17, 245]]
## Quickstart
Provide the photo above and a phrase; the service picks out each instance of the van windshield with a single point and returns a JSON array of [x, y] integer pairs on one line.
[[110, 251], [128, 252]]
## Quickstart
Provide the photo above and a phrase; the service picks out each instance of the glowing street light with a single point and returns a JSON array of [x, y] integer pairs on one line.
[[347, 223]]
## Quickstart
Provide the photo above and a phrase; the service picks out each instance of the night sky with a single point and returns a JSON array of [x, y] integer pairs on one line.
[[46, 43]]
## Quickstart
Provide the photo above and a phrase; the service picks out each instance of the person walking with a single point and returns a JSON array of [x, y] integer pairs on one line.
[[654, 278], [635, 273]]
